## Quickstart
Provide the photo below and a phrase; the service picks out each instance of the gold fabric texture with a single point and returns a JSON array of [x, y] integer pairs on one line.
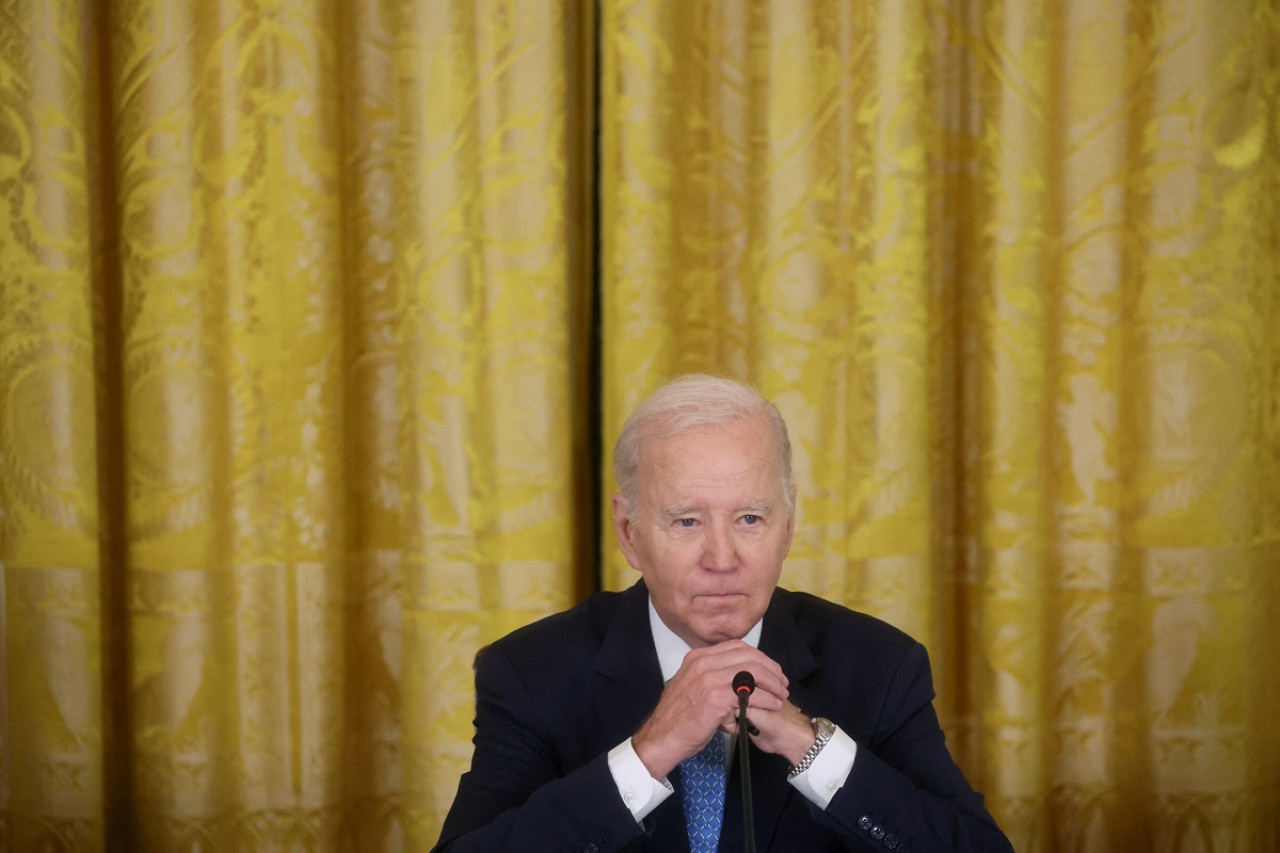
[[1010, 270], [323, 353], [296, 369]]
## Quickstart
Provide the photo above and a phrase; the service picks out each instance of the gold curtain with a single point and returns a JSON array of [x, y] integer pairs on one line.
[[293, 323], [1012, 272], [296, 360]]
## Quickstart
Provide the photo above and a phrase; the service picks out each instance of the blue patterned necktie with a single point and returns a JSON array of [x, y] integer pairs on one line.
[[702, 781]]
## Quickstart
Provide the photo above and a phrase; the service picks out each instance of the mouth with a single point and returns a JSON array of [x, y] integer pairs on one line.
[[720, 597]]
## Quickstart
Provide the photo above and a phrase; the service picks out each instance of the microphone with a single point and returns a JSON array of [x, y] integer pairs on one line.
[[744, 684]]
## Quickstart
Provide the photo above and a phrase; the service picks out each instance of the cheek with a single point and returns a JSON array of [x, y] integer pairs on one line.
[[766, 562], [674, 551]]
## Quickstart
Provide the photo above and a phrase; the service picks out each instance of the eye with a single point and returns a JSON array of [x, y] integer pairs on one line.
[[686, 522], [751, 520]]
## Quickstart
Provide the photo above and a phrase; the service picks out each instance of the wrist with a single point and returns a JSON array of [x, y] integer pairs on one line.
[[822, 730], [800, 742], [651, 754]]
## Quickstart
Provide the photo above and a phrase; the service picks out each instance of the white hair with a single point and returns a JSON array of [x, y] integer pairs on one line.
[[684, 404]]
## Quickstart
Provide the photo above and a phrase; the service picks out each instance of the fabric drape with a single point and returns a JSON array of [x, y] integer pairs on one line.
[[1010, 271], [291, 330], [318, 320]]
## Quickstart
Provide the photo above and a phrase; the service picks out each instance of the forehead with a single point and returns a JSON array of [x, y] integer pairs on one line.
[[740, 455]]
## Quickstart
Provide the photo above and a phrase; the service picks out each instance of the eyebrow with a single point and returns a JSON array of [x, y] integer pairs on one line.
[[680, 511]]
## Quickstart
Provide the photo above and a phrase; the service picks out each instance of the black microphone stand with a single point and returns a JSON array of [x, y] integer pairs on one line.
[[743, 684]]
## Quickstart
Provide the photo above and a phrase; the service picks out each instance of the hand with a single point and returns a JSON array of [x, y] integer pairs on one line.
[[785, 731], [699, 701]]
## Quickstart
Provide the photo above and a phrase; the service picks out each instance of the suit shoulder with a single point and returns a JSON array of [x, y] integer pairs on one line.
[[825, 622], [562, 636]]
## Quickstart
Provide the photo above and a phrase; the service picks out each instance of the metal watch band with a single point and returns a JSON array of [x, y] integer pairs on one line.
[[823, 729]]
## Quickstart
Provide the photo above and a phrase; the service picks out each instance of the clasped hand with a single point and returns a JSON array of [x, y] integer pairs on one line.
[[699, 701]]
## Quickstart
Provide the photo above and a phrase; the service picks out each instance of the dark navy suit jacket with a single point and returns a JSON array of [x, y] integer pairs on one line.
[[554, 697]]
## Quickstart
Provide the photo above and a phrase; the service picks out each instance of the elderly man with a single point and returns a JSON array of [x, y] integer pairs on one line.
[[608, 727]]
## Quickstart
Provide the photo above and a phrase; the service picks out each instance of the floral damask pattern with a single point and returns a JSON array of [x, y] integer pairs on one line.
[[331, 345], [295, 342], [51, 710], [1009, 270]]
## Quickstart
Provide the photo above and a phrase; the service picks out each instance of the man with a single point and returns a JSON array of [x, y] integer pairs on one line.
[[608, 727]]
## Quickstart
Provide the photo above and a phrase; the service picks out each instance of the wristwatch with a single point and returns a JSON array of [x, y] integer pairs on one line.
[[823, 729]]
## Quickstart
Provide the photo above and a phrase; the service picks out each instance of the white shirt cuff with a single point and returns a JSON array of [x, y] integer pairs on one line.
[[640, 792], [828, 772]]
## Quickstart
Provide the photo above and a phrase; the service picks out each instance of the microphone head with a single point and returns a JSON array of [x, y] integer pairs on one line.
[[744, 682]]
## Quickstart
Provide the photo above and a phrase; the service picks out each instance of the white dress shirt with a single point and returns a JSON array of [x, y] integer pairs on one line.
[[642, 793]]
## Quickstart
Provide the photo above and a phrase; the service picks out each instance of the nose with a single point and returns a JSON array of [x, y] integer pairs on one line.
[[719, 551]]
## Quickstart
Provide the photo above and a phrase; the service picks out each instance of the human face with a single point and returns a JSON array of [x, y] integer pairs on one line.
[[710, 529]]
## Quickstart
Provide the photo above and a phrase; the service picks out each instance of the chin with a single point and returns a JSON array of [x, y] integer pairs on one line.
[[718, 632]]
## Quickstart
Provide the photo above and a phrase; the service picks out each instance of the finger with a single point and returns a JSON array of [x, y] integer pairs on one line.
[[737, 656], [732, 728], [766, 701], [730, 723], [757, 662]]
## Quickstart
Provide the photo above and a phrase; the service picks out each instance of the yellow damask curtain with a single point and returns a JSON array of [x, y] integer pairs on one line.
[[1012, 272], [292, 325], [297, 400]]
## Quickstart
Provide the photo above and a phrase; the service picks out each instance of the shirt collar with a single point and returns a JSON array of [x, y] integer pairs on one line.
[[672, 649]]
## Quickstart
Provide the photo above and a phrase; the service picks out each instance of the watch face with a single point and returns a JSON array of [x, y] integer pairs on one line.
[[823, 727]]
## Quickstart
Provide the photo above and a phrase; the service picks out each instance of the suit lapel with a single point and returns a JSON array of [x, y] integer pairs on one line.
[[628, 662], [632, 683], [781, 640]]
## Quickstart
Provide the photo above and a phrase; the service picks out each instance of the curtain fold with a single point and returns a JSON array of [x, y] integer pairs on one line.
[[345, 339], [306, 393], [1010, 271], [51, 745]]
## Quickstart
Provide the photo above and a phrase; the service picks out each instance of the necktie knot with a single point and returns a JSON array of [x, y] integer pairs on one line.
[[702, 781]]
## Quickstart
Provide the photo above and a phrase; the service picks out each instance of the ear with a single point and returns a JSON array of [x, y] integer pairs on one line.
[[624, 527]]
